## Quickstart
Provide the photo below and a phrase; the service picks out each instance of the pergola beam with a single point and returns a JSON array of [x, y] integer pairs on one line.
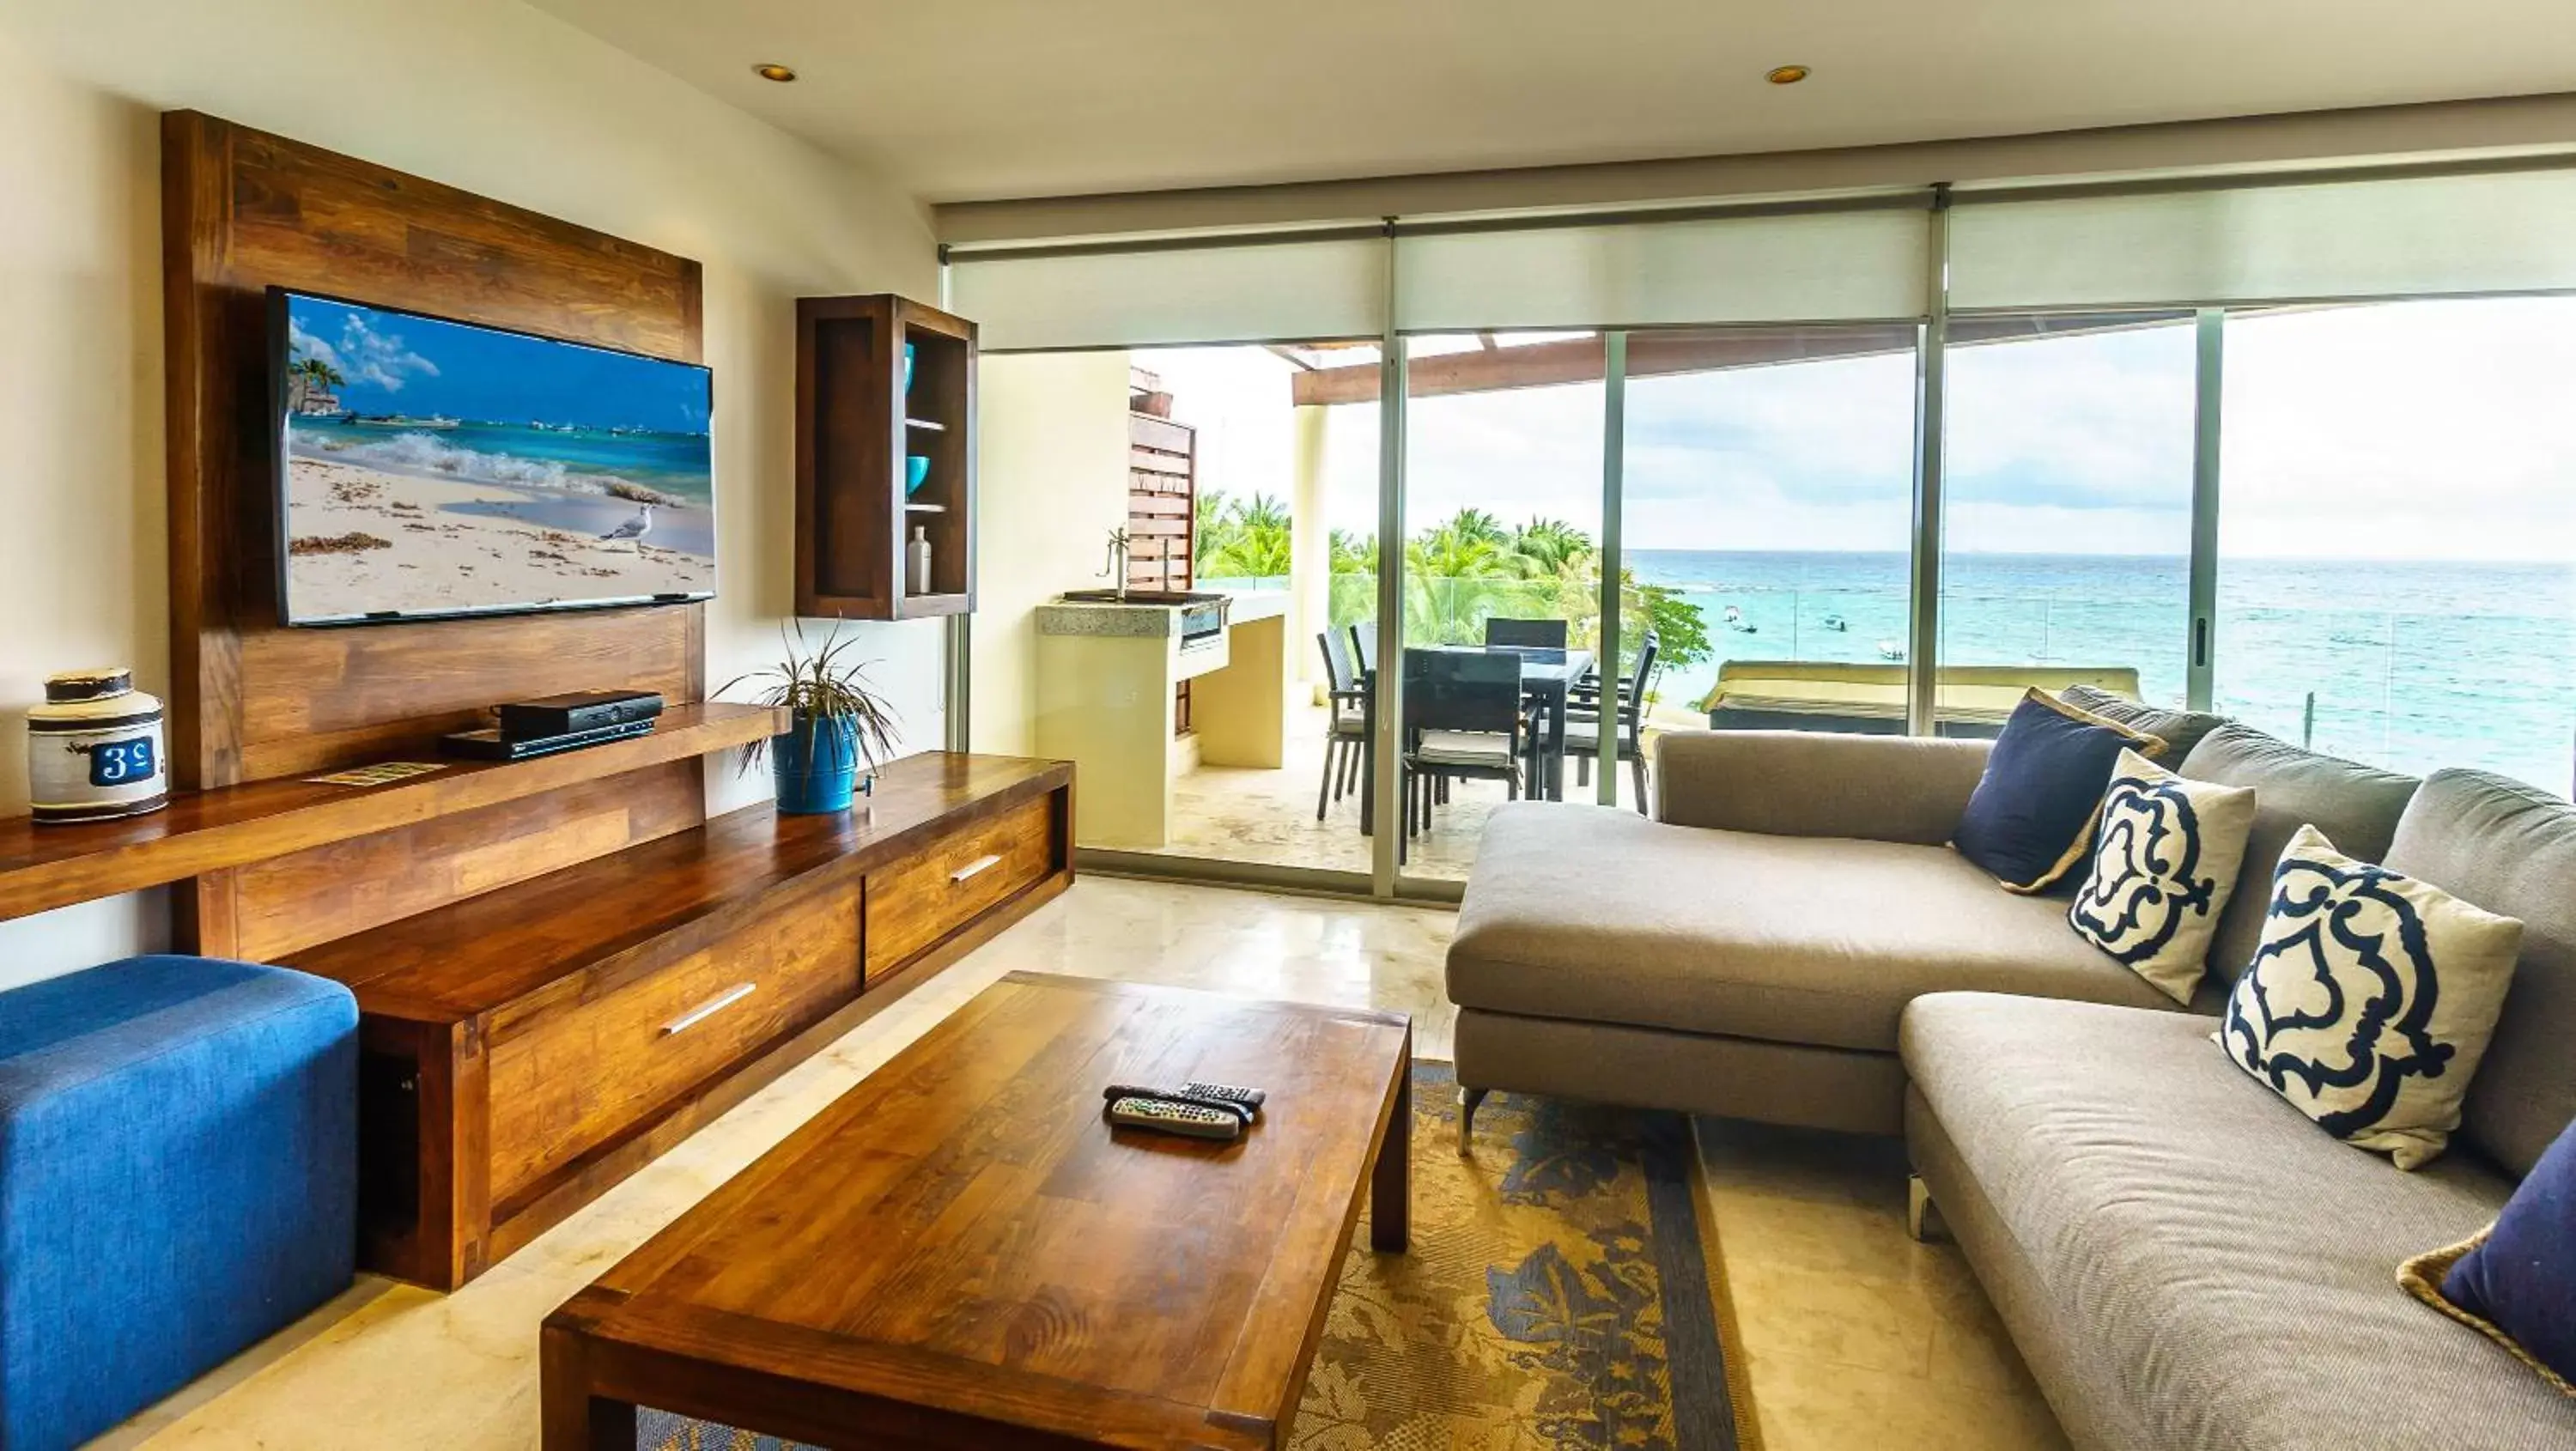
[[1653, 353]]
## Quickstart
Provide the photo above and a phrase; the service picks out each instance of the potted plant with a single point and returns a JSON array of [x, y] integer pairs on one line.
[[837, 722]]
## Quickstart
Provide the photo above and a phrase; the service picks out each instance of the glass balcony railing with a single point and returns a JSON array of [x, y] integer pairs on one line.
[[2409, 691]]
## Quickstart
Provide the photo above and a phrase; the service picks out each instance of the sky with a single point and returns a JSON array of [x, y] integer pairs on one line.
[[2438, 430], [397, 363]]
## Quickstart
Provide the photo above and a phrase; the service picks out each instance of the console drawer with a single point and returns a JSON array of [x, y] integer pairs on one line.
[[573, 1075], [914, 903]]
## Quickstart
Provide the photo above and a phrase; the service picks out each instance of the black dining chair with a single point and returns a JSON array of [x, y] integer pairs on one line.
[[1346, 734], [1583, 721], [1364, 646], [1463, 718], [1542, 634]]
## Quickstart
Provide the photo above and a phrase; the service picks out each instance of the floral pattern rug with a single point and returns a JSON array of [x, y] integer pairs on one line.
[[1556, 1296]]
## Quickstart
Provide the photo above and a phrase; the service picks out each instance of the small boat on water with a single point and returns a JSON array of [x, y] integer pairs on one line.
[[1837, 623], [1735, 621], [1890, 650], [405, 420]]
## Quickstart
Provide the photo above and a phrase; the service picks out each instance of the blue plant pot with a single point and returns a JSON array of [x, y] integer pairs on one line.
[[816, 765]]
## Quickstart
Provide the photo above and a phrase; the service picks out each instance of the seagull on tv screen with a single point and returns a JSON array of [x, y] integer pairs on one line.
[[635, 528]]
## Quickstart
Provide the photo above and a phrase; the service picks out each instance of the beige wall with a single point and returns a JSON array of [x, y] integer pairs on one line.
[[1051, 475], [489, 95]]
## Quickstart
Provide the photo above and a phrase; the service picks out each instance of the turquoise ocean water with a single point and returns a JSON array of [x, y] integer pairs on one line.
[[576, 460], [2412, 664]]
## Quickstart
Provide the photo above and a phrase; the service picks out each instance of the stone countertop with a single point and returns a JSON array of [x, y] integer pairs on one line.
[[1103, 617]]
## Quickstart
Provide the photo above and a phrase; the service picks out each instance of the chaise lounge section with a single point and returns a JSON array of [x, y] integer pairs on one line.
[[1748, 951]]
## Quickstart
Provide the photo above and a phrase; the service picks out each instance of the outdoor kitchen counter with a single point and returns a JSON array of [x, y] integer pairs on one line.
[[1106, 677]]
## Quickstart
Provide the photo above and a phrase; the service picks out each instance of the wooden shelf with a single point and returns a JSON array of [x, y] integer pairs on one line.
[[857, 426], [923, 607], [44, 867]]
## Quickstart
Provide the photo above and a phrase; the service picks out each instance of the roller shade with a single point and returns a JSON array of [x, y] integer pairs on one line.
[[1825, 266], [1243, 293], [2420, 236]]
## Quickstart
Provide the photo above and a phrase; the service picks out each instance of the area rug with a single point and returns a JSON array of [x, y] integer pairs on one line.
[[1558, 1294]]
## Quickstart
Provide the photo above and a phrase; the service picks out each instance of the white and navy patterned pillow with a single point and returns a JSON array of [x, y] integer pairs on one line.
[[2371, 1000], [2165, 854]]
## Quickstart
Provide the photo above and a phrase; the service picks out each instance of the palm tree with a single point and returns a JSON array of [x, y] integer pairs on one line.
[[1550, 544], [1477, 524]]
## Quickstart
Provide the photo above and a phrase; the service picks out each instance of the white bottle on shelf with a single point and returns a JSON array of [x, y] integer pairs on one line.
[[917, 561]]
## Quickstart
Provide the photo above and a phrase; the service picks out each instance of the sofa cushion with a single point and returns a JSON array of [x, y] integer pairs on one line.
[[2355, 806], [2511, 849], [2030, 821], [2227, 1272], [1592, 914], [2516, 1280], [2165, 859], [2180, 730], [2372, 1000]]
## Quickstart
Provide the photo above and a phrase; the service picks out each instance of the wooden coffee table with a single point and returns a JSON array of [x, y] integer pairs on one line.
[[960, 1252]]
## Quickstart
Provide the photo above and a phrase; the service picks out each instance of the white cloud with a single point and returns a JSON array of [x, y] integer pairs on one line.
[[304, 344], [378, 359]]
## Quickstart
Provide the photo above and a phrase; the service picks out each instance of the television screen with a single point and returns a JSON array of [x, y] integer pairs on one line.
[[431, 468]]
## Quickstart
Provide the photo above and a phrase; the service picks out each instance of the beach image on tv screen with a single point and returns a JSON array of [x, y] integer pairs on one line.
[[440, 468]]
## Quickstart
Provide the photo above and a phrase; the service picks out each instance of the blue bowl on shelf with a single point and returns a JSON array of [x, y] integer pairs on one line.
[[907, 370], [916, 470]]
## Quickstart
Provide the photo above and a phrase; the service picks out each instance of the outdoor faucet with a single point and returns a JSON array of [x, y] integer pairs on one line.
[[1117, 570]]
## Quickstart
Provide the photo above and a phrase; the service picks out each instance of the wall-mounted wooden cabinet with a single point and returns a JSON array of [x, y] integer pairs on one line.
[[858, 429]]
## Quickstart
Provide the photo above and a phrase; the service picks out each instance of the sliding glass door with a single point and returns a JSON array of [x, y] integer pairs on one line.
[[1766, 510], [2397, 546], [2067, 510], [1501, 549]]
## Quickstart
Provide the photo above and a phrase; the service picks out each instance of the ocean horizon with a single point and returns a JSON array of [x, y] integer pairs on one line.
[[2410, 664]]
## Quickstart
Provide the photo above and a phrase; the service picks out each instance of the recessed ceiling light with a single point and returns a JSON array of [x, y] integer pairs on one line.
[[1787, 75], [773, 71]]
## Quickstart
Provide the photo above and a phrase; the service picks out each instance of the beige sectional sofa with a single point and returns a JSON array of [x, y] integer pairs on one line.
[[2185, 1260]]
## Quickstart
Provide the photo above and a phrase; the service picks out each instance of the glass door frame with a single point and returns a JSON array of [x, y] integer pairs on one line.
[[1386, 880]]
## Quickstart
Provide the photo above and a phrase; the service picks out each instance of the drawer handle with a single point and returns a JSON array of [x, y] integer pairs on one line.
[[975, 868], [708, 1009]]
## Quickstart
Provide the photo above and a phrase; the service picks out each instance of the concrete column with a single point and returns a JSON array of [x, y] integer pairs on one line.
[[1310, 547]]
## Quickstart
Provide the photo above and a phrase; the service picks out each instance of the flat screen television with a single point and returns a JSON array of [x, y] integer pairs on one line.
[[429, 469]]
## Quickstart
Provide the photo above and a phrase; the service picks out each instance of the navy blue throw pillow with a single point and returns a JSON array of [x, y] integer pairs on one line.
[[2030, 820], [2517, 1280]]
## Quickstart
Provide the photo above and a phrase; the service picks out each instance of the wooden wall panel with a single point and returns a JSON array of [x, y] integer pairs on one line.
[[250, 700], [244, 211]]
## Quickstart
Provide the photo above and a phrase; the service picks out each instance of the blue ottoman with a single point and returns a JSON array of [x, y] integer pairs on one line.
[[178, 1178]]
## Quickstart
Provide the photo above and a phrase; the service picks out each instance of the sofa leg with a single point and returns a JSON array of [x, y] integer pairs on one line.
[[1922, 1216], [1468, 1099]]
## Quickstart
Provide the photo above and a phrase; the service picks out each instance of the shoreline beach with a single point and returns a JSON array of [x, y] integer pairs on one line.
[[366, 539]]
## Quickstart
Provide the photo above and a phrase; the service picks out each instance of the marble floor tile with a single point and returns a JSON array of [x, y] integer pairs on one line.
[[1856, 1336]]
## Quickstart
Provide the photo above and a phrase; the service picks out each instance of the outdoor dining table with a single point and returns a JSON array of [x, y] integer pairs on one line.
[[1547, 675]]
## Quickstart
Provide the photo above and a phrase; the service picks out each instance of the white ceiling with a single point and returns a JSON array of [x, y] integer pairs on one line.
[[981, 99]]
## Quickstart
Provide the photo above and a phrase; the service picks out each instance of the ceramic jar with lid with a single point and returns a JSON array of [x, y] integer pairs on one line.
[[94, 749]]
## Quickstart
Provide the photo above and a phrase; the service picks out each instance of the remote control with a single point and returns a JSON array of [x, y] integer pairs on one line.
[[1163, 1115], [1251, 1098], [1129, 1090]]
